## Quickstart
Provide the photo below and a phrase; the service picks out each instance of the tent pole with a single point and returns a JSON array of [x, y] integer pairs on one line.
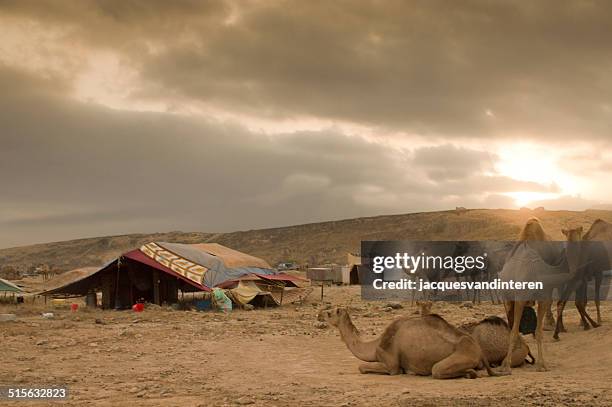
[[322, 284], [116, 305]]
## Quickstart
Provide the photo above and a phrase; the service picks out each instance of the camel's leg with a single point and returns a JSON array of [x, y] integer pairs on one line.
[[560, 316], [581, 298], [543, 307], [581, 305], [373, 367], [586, 318], [391, 362], [559, 327], [549, 320], [509, 306], [598, 278], [517, 308], [461, 363]]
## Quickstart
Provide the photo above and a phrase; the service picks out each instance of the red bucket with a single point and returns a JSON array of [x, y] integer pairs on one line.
[[74, 307], [138, 307]]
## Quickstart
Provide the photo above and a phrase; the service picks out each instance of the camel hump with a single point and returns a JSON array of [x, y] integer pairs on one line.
[[421, 324], [435, 320], [495, 320]]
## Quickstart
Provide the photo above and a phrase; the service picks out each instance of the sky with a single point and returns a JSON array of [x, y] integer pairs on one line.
[[127, 116]]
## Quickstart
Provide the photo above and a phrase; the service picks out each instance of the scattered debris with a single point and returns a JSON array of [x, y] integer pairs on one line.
[[7, 317], [395, 305], [243, 401]]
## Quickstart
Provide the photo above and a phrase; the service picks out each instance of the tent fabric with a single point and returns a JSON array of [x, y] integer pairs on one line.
[[62, 281], [6, 285], [195, 263], [232, 258], [141, 257], [200, 269], [180, 264], [246, 291]]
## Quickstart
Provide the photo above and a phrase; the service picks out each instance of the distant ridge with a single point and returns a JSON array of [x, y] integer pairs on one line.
[[313, 243]]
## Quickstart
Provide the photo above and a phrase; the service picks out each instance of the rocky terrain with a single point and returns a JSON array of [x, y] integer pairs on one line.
[[315, 243], [274, 357]]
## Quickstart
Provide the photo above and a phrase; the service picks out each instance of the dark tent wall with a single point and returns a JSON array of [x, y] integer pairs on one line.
[[128, 279], [125, 283]]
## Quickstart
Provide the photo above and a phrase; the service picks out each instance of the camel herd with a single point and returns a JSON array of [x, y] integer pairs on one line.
[[428, 345]]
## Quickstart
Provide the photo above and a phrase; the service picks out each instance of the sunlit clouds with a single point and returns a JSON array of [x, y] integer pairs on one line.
[[131, 116]]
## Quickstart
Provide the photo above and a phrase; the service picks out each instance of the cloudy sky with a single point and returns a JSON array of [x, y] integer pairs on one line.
[[142, 116]]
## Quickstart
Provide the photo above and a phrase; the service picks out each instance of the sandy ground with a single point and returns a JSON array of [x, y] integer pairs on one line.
[[274, 357]]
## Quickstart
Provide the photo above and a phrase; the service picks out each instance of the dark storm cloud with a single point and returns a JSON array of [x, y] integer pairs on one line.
[[70, 169], [441, 69], [437, 68], [448, 162]]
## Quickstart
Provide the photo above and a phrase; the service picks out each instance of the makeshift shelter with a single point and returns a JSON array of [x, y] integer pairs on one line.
[[158, 270], [7, 286], [351, 276], [345, 275], [263, 290]]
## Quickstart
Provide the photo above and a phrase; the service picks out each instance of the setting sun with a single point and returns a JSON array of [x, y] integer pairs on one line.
[[537, 164]]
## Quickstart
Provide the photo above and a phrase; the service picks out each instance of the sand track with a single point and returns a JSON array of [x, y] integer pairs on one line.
[[274, 357]]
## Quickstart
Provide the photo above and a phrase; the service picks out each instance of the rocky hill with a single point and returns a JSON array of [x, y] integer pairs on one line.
[[314, 243]]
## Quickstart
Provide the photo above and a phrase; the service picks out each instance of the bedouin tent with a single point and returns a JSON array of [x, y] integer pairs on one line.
[[157, 270], [6, 285]]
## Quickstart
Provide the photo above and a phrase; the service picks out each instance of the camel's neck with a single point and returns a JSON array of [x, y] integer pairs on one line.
[[365, 351]]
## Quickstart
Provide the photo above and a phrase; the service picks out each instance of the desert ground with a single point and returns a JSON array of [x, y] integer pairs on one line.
[[274, 357]]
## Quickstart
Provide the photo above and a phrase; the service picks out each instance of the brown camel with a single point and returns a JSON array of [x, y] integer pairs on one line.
[[426, 345], [600, 231], [492, 336], [531, 232], [589, 260]]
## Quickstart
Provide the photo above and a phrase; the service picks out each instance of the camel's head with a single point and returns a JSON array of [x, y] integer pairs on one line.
[[425, 307], [332, 316], [533, 230], [573, 234], [575, 256], [599, 230]]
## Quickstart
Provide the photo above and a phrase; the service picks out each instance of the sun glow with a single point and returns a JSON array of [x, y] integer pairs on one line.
[[533, 163], [525, 198]]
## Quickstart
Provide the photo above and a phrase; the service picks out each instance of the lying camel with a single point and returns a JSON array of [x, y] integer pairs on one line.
[[491, 334], [426, 345]]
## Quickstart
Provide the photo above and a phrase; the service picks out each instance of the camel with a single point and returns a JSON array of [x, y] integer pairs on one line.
[[531, 232], [600, 231], [426, 345], [491, 334], [588, 261]]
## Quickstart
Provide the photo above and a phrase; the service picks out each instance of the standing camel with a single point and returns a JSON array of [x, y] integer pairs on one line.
[[531, 233], [600, 231], [589, 259]]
